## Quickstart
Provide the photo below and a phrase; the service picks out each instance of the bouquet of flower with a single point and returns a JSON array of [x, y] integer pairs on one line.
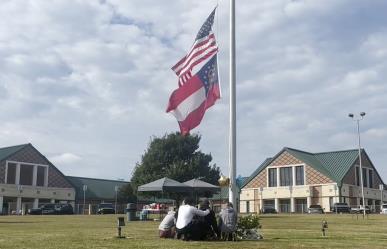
[[247, 228]]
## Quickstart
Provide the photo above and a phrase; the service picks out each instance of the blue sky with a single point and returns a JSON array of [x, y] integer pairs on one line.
[[87, 82]]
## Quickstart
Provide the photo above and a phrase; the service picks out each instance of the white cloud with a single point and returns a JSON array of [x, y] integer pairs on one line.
[[65, 158], [93, 78]]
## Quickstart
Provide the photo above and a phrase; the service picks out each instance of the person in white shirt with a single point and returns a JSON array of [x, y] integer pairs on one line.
[[184, 224]]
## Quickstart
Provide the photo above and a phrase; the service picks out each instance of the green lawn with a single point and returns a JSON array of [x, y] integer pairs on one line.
[[279, 231]]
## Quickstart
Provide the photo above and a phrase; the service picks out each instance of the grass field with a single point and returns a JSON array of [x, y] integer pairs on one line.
[[279, 231]]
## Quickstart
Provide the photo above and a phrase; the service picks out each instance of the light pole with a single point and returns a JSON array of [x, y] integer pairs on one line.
[[381, 188], [84, 198], [357, 120], [115, 204]]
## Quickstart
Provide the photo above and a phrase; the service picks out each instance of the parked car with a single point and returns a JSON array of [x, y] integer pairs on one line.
[[384, 209], [52, 208], [360, 209], [341, 207], [106, 208], [315, 209], [268, 210], [64, 209]]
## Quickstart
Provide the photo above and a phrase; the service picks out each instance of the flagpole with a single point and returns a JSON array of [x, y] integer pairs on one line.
[[232, 131]]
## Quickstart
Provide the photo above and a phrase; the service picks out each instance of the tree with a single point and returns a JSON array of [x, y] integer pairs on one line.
[[177, 157], [126, 194]]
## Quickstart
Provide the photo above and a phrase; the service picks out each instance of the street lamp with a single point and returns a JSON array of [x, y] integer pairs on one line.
[[84, 198], [357, 120], [115, 204]]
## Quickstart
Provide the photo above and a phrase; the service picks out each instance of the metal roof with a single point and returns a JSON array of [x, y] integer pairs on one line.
[[333, 164], [257, 171], [97, 189], [8, 151]]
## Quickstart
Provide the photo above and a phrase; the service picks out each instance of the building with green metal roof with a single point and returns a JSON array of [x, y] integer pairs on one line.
[[292, 180], [28, 178]]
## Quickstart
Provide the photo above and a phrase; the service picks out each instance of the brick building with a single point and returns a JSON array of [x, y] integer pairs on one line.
[[293, 180], [28, 179]]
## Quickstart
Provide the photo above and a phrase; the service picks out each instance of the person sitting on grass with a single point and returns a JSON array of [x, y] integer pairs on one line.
[[227, 221], [208, 225], [167, 226], [184, 225]]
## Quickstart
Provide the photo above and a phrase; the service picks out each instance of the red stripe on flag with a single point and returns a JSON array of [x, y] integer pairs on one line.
[[183, 92], [213, 95], [193, 119], [196, 116], [187, 63], [212, 36]]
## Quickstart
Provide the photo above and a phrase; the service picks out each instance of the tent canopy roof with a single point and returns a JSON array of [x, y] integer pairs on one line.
[[164, 185]]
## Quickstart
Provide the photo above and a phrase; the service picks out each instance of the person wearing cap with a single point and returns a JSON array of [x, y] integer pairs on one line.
[[208, 225]]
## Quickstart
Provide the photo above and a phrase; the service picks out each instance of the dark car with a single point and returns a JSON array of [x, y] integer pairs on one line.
[[64, 209], [341, 207], [268, 210], [52, 208], [315, 209], [106, 208]]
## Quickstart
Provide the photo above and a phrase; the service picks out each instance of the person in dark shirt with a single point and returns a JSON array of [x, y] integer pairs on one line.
[[208, 225]]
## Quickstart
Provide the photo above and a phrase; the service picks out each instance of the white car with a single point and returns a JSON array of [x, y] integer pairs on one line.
[[384, 209]]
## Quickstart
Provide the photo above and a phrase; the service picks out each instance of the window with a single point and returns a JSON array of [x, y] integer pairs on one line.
[[273, 177], [286, 176], [11, 173], [370, 179], [26, 172], [364, 170], [357, 176], [247, 206], [40, 176], [299, 175]]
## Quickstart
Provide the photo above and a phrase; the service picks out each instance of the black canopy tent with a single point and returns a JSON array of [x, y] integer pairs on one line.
[[199, 186], [164, 185]]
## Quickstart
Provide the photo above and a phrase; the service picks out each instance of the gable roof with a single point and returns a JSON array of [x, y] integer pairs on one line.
[[333, 164], [257, 171], [97, 189], [6, 152]]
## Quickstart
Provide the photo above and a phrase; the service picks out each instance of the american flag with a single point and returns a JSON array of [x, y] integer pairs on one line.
[[197, 91], [203, 48]]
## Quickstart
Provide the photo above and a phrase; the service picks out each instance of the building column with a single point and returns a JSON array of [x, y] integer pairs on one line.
[[373, 208], [36, 203], [308, 202], [293, 175], [292, 205], [34, 175], [276, 204], [23, 209], [90, 209], [17, 180], [1, 204], [18, 205], [52, 201], [260, 205]]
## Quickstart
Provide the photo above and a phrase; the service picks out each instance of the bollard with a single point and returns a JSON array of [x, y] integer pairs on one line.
[[324, 226], [120, 222]]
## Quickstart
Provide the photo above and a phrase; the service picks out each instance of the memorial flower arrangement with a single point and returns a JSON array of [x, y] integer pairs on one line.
[[247, 228]]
